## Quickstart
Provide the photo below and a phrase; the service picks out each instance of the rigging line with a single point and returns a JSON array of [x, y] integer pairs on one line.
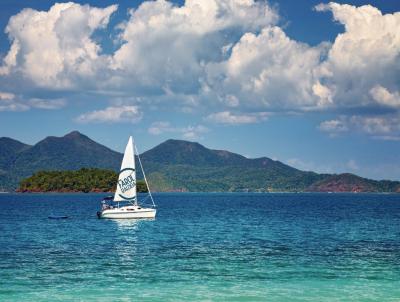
[[144, 175], [147, 197], [144, 200]]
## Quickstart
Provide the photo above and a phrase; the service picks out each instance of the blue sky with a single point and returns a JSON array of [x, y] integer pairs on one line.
[[313, 84]]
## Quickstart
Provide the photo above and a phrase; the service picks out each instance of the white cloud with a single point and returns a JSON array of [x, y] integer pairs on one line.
[[194, 132], [10, 60], [158, 128], [269, 70], [223, 56], [324, 94], [378, 127], [384, 97], [9, 102], [166, 47], [54, 49], [333, 126], [123, 114], [364, 57], [13, 107], [6, 96], [226, 117], [362, 70], [188, 132], [376, 124], [47, 104]]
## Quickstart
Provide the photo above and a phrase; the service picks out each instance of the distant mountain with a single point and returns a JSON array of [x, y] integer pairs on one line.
[[180, 152], [70, 152], [186, 166], [175, 165], [9, 150]]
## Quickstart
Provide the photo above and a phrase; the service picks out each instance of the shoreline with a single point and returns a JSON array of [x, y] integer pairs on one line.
[[187, 192]]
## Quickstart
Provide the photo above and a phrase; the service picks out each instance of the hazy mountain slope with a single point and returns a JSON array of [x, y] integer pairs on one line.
[[70, 152], [9, 150]]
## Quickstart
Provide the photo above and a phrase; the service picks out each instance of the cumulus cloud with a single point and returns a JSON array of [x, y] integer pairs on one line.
[[228, 57], [194, 132], [229, 118], [365, 57], [378, 127], [6, 96], [166, 47], [123, 114], [51, 104], [270, 70], [188, 132], [385, 97], [359, 70], [161, 127], [54, 49], [362, 69], [13, 107], [9, 102], [334, 126]]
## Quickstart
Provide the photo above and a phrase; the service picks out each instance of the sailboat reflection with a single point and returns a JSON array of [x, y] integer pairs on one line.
[[128, 240], [129, 224]]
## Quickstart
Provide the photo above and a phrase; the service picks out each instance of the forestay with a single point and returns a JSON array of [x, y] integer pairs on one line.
[[126, 186]]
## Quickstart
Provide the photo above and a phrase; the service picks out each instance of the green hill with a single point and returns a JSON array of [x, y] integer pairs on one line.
[[175, 165], [9, 151], [187, 166], [70, 152]]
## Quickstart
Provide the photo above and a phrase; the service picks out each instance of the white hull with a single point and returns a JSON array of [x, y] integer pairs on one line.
[[127, 212]]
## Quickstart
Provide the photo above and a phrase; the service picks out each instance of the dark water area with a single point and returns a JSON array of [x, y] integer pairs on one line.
[[203, 247]]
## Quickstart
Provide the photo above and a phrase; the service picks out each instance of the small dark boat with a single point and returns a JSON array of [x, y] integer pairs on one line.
[[58, 217]]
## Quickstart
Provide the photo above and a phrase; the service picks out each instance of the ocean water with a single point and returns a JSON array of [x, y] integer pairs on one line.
[[203, 247]]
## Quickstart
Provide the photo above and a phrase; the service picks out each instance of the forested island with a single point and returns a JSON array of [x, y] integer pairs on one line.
[[84, 180]]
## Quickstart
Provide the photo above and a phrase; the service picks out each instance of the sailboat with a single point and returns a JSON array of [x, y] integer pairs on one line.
[[125, 200]]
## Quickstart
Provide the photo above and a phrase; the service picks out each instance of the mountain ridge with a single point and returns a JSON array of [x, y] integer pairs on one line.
[[210, 156], [175, 165]]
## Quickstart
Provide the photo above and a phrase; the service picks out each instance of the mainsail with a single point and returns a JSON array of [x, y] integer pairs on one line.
[[126, 186]]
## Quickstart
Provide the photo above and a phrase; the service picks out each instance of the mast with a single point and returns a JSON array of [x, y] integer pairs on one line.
[[144, 176]]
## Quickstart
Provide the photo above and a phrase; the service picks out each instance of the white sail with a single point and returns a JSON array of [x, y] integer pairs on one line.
[[126, 186]]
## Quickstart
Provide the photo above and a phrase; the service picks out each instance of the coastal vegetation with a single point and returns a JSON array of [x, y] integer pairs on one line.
[[83, 180]]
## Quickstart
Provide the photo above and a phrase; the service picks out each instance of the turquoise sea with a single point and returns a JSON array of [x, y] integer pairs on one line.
[[203, 247]]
